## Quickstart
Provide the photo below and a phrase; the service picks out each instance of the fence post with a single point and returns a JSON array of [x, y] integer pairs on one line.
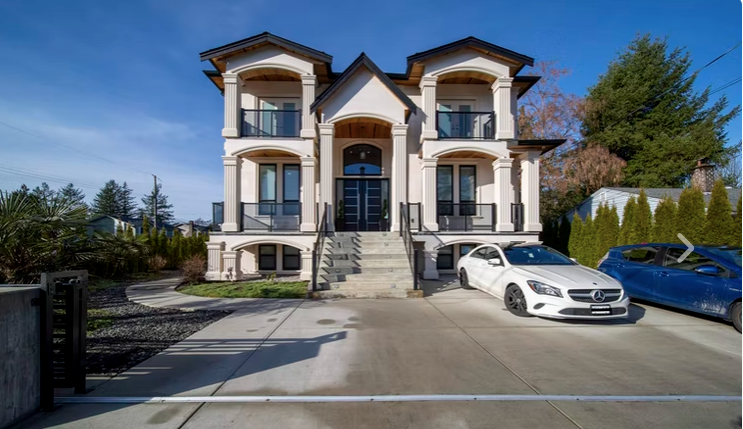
[[415, 269], [314, 270], [46, 373]]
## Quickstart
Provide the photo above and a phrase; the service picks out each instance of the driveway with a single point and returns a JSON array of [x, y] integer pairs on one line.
[[452, 342]]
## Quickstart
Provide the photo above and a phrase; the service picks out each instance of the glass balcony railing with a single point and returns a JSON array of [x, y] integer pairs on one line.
[[271, 123], [466, 125]]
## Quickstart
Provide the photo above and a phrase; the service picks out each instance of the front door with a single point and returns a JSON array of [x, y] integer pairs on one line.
[[364, 205]]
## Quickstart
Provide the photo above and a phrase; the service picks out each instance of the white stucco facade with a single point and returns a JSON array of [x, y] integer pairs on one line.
[[442, 138]]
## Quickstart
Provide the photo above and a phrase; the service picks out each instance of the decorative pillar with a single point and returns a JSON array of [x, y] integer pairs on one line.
[[502, 106], [306, 273], [503, 190], [326, 172], [530, 191], [214, 261], [309, 82], [430, 271], [231, 269], [231, 209], [515, 111], [428, 100], [308, 194], [430, 220], [232, 111], [399, 173]]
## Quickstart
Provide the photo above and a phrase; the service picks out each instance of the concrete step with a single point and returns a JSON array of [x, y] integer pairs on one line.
[[376, 245], [356, 256], [365, 234], [366, 294], [364, 250], [367, 285], [387, 278], [376, 271], [366, 263]]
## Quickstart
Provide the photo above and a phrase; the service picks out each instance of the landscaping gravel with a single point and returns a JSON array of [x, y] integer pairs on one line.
[[138, 332]]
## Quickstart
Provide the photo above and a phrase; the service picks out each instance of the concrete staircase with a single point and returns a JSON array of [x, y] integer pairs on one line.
[[365, 265]]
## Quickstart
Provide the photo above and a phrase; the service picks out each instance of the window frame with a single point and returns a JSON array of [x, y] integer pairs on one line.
[[270, 205], [284, 260], [449, 257], [261, 255], [365, 174], [657, 258], [439, 201], [292, 208], [724, 272]]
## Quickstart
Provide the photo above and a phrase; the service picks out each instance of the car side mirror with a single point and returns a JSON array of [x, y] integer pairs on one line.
[[707, 270], [494, 262]]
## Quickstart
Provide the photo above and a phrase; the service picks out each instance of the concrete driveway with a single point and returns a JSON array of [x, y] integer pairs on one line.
[[452, 342]]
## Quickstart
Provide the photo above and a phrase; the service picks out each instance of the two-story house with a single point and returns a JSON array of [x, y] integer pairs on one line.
[[309, 151]]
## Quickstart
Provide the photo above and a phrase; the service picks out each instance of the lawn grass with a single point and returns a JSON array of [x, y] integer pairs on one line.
[[98, 319], [253, 289]]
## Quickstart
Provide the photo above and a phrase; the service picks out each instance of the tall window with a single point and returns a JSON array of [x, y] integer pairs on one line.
[[267, 188], [362, 160], [445, 190], [291, 189], [267, 257], [290, 259], [445, 259], [467, 188]]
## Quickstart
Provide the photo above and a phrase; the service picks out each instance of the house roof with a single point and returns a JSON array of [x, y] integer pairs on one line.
[[524, 83], [363, 61], [261, 39], [675, 193], [546, 144]]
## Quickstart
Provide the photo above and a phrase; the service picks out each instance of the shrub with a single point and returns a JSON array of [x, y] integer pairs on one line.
[[194, 269], [628, 221], [664, 230], [575, 236], [642, 220], [156, 263], [690, 219], [719, 222], [589, 244]]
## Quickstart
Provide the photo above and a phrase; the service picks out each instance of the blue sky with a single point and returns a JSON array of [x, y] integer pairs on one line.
[[114, 90]]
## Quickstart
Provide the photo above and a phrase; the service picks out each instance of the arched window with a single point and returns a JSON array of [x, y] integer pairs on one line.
[[362, 160]]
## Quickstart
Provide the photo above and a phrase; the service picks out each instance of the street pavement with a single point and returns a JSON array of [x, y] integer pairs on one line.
[[453, 341]]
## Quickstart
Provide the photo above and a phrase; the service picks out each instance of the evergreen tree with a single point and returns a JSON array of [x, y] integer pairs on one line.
[[690, 218], [664, 229], [736, 238], [644, 109], [127, 204], [73, 194], [574, 241], [628, 221], [43, 192], [106, 201], [607, 224], [613, 230], [162, 243], [119, 230], [643, 220], [175, 253], [589, 241], [563, 235], [145, 227], [719, 222], [164, 210], [129, 232]]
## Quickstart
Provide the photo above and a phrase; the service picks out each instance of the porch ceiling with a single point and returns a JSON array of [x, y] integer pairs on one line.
[[270, 74], [268, 153], [466, 77], [363, 128], [466, 154]]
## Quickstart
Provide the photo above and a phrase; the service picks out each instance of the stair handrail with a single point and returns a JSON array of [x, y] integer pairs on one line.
[[407, 239], [322, 232]]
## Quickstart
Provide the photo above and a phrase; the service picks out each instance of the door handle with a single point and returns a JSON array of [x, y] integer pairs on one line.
[[663, 273]]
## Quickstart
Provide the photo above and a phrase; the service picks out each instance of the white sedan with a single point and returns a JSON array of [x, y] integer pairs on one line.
[[537, 280]]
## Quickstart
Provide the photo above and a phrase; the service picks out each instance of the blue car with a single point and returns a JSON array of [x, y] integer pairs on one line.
[[708, 281]]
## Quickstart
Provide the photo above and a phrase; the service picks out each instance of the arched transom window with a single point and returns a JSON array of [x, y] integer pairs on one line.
[[362, 160]]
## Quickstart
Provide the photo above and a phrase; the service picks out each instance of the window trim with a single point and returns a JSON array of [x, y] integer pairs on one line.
[[275, 184], [450, 257], [474, 186], [283, 258], [283, 183], [363, 143], [275, 259]]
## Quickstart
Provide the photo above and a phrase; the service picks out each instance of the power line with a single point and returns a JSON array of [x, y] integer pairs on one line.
[[725, 86]]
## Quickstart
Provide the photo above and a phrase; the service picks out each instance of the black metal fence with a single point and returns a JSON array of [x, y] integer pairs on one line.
[[271, 216], [407, 238], [322, 232], [465, 125], [271, 123], [466, 216]]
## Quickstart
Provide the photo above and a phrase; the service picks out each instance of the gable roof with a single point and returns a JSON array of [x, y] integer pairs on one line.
[[469, 42], [675, 193], [262, 38], [364, 61]]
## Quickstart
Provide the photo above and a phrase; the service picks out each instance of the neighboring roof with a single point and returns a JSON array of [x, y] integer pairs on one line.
[[364, 61], [469, 42], [105, 216], [264, 37], [675, 193]]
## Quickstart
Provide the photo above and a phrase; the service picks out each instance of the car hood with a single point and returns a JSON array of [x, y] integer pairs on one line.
[[567, 276]]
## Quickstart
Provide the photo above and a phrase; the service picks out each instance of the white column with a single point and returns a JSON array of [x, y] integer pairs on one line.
[[430, 222], [308, 194], [502, 107], [231, 106], [326, 172], [231, 209], [503, 190], [231, 269], [530, 191], [214, 260], [399, 173], [428, 100], [306, 273], [430, 271], [515, 111], [309, 82]]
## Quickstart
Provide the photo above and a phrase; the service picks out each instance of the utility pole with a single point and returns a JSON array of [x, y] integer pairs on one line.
[[154, 197]]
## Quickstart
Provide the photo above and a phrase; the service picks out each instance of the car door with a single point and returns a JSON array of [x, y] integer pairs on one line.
[[477, 265], [492, 276], [678, 285], [636, 271]]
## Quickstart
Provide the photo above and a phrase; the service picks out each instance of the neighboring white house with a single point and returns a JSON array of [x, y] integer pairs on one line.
[[109, 224], [440, 139]]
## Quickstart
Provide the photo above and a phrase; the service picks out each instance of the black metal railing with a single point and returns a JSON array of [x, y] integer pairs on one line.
[[322, 232], [271, 216], [517, 216], [407, 239], [466, 125], [217, 216], [466, 217], [271, 123]]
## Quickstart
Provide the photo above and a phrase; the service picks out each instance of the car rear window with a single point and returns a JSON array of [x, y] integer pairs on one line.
[[641, 255]]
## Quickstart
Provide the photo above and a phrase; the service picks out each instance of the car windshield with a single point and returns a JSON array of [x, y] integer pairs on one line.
[[535, 255], [729, 254]]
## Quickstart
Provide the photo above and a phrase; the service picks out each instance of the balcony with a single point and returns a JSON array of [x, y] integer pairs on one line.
[[265, 217], [465, 125], [466, 217], [271, 123]]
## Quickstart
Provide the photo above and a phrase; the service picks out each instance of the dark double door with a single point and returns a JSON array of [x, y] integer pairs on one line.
[[365, 204]]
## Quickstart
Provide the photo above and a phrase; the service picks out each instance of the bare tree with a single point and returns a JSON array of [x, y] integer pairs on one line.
[[731, 170]]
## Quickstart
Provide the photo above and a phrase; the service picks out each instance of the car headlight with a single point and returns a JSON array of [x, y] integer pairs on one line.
[[544, 289]]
